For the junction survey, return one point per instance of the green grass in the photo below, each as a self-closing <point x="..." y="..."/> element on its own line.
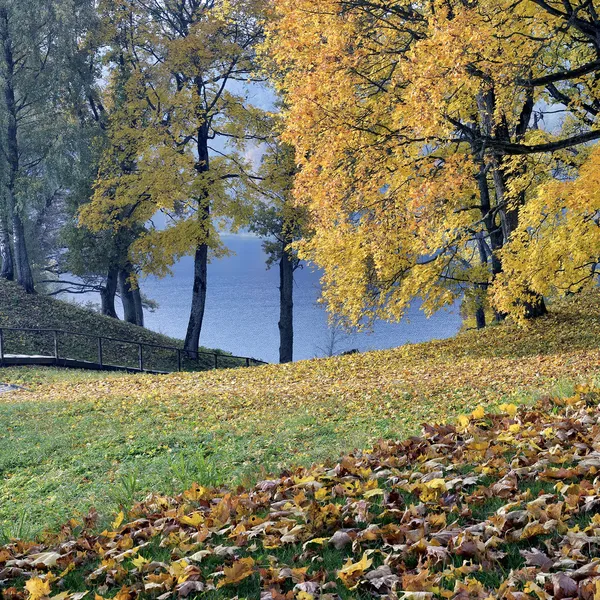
<point x="57" y="461"/>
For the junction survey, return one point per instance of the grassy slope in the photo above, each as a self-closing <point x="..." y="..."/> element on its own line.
<point x="17" y="309"/>
<point x="73" y="444"/>
<point x="20" y="310"/>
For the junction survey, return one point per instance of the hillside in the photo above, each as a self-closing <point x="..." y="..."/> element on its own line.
<point x="72" y="445"/>
<point x="20" y="310"/>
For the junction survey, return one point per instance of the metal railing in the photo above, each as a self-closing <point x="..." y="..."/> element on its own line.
<point x="73" y="349"/>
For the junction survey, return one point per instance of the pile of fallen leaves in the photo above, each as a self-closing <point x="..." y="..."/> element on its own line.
<point x="503" y="505"/>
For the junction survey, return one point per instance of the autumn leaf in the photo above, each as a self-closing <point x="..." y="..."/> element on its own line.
<point x="240" y="570"/>
<point x="37" y="588"/>
<point x="194" y="520"/>
<point x="118" y="520"/>
<point x="479" y="413"/>
<point x="351" y="573"/>
<point x="139" y="562"/>
<point x="509" y="409"/>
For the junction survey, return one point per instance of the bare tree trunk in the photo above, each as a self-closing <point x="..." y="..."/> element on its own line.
<point x="138" y="306"/>
<point x="107" y="294"/>
<point x="494" y="232"/>
<point x="536" y="308"/>
<point x="192" y="337"/>
<point x="507" y="210"/>
<point x="481" y="290"/>
<point x="8" y="267"/>
<point x="286" y="306"/>
<point x="127" y="297"/>
<point x="24" y="274"/>
<point x="21" y="258"/>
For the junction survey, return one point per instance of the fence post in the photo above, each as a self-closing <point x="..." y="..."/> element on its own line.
<point x="141" y="356"/>
<point x="247" y="362"/>
<point x="216" y="361"/>
<point x="54" y="333"/>
<point x="2" y="346"/>
<point x="100" y="351"/>
<point x="179" y="360"/>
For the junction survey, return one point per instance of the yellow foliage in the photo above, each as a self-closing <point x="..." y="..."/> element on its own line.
<point x="37" y="588"/>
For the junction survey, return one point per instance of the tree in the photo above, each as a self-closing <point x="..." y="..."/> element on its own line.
<point x="38" y="42"/>
<point x="280" y="222"/>
<point x="181" y="123"/>
<point x="407" y="118"/>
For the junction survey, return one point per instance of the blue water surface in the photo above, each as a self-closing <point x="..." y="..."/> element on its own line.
<point x="242" y="309"/>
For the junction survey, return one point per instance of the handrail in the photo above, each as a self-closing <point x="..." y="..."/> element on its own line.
<point x="100" y="339"/>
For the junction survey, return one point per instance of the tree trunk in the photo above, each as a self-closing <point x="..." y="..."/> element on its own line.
<point x="192" y="337"/>
<point x="507" y="210"/>
<point x="127" y="297"/>
<point x="286" y="306"/>
<point x="8" y="267"/>
<point x="107" y="294"/>
<point x="24" y="274"/>
<point x="536" y="308"/>
<point x="21" y="257"/>
<point x="137" y="303"/>
<point x="481" y="288"/>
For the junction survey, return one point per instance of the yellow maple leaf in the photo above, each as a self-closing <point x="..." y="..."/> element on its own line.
<point x="37" y="588"/>
<point x="351" y="572"/>
<point x="239" y="570"/>
<point x="509" y="409"/>
<point x="139" y="562"/>
<point x="373" y="492"/>
<point x="193" y="520"/>
<point x="321" y="493"/>
<point x="479" y="412"/>
<point x="118" y="520"/>
<point x="177" y="569"/>
<point x="464" y="421"/>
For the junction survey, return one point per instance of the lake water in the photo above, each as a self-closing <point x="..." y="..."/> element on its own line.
<point x="242" y="309"/>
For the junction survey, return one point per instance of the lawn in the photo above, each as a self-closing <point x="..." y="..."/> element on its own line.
<point x="73" y="443"/>
<point x="496" y="505"/>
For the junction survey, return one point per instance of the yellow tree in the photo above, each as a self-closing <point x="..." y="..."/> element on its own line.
<point x="406" y="118"/>
<point x="180" y="131"/>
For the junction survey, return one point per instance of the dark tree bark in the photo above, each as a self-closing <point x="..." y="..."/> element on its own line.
<point x="286" y="306"/>
<point x="108" y="292"/>
<point x="482" y="287"/>
<point x="21" y="257"/>
<point x="8" y="267"/>
<point x="508" y="211"/>
<point x="138" y="306"/>
<point x="127" y="296"/>
<point x="536" y="308"/>
<point x="192" y="337"/>
<point x="24" y="274"/>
